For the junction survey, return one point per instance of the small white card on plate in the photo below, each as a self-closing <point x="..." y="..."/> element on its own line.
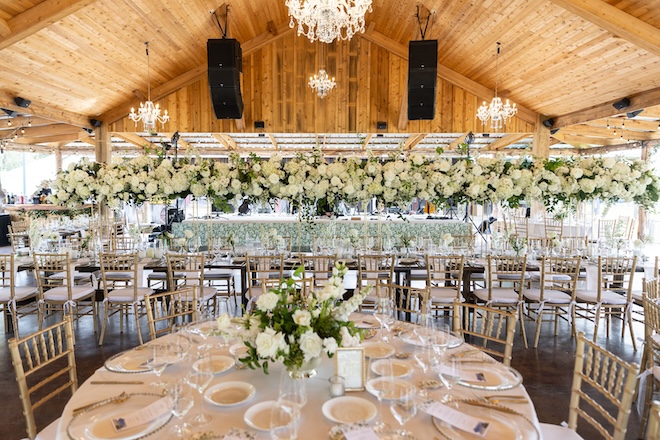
<point x="456" y="418"/>
<point x="146" y="415"/>
<point x="360" y="433"/>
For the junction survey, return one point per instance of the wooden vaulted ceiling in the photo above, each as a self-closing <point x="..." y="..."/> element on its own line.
<point x="566" y="61"/>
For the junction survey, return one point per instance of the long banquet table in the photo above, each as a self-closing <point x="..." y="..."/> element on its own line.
<point x="314" y="425"/>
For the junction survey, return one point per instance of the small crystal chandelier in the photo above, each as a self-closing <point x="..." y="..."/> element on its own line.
<point x="327" y="20"/>
<point x="149" y="112"/>
<point x="321" y="82"/>
<point x="497" y="112"/>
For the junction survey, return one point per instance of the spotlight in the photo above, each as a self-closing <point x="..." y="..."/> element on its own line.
<point x="549" y="123"/>
<point x="259" y="124"/>
<point x="88" y="130"/>
<point x="10" y="113"/>
<point x="22" y="102"/>
<point x="554" y="130"/>
<point x="95" y="122"/>
<point x="621" y="104"/>
<point x="381" y="125"/>
<point x="634" y="113"/>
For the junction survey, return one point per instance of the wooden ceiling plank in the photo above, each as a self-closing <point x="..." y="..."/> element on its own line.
<point x="616" y="21"/>
<point x="23" y="120"/>
<point x="5" y="30"/>
<point x="413" y="140"/>
<point x="39" y="17"/>
<point x="597" y="132"/>
<point x="638" y="101"/>
<point x="44" y="111"/>
<point x="48" y="130"/>
<point x="456" y="142"/>
<point x="505" y="141"/>
<point x="444" y="72"/>
<point x="50" y="139"/>
<point x="218" y="137"/>
<point x="192" y="75"/>
<point x="273" y="140"/>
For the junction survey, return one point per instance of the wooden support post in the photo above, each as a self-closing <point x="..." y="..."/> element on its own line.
<point x="58" y="160"/>
<point x="641" y="212"/>
<point x="541" y="150"/>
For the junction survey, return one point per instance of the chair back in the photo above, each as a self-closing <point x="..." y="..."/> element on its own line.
<point x="506" y="272"/>
<point x="20" y="241"/>
<point x="653" y="430"/>
<point x="374" y="269"/>
<point x="616" y="274"/>
<point x="521" y="226"/>
<point x="462" y="243"/>
<point x="52" y="271"/>
<point x="123" y="242"/>
<point x="318" y="266"/>
<point x="575" y="245"/>
<point x="606" y="228"/>
<point x="651" y="288"/>
<point x="18" y="226"/>
<point x="603" y="390"/>
<point x="264" y="272"/>
<point x="164" y="310"/>
<point x="7" y="273"/>
<point x="444" y="275"/>
<point x="559" y="273"/>
<point x="490" y="329"/>
<point x="119" y="270"/>
<point x="45" y="365"/>
<point x="185" y="269"/>
<point x="408" y="301"/>
<point x="554" y="228"/>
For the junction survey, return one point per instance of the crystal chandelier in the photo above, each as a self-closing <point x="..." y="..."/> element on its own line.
<point x="149" y="112"/>
<point x="497" y="112"/>
<point x="327" y="20"/>
<point x="321" y="82"/>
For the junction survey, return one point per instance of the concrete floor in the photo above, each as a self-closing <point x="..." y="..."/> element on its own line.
<point x="547" y="371"/>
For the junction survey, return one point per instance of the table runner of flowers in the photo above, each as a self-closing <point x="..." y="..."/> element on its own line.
<point x="308" y="179"/>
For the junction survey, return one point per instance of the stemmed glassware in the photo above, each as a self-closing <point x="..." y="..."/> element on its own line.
<point x="181" y="400"/>
<point x="284" y="420"/>
<point x="404" y="407"/>
<point x="450" y="374"/>
<point x="199" y="377"/>
<point x="380" y="384"/>
<point x="292" y="390"/>
<point x="157" y="363"/>
<point x="384" y="314"/>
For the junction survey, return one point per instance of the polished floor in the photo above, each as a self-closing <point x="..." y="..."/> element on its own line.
<point x="547" y="371"/>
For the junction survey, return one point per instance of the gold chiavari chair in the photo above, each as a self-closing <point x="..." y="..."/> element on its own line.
<point x="444" y="278"/>
<point x="122" y="291"/>
<point x="45" y="365"/>
<point x="653" y="430"/>
<point x="554" y="228"/>
<point x="374" y="269"/>
<point x="612" y="297"/>
<point x="264" y="272"/>
<point x="167" y="309"/>
<point x="606" y="228"/>
<point x="319" y="267"/>
<point x="408" y="301"/>
<point x="598" y="376"/>
<point x="187" y="270"/>
<point x="490" y="329"/>
<point x="521" y="226"/>
<point x="13" y="297"/>
<point x="650" y="358"/>
<point x="555" y="294"/>
<point x="58" y="289"/>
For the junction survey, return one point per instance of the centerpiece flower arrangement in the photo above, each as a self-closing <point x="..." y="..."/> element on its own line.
<point x="295" y="329"/>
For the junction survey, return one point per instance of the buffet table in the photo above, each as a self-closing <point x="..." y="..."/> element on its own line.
<point x="514" y="415"/>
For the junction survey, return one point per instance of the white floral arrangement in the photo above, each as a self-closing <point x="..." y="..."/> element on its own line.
<point x="293" y="329"/>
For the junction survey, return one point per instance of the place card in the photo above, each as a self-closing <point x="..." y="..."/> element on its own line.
<point x="146" y="415"/>
<point x="456" y="418"/>
<point x="359" y="433"/>
<point x="472" y="376"/>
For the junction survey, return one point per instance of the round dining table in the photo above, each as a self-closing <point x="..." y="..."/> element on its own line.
<point x="105" y="384"/>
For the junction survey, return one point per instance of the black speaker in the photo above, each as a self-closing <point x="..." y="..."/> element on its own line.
<point x="621" y="104"/>
<point x="22" y="102"/>
<point x="95" y="122"/>
<point x="422" y="78"/>
<point x="224" y="67"/>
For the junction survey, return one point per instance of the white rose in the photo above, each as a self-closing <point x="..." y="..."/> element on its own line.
<point x="268" y="343"/>
<point x="348" y="340"/>
<point x="311" y="345"/>
<point x="330" y="345"/>
<point x="224" y="322"/>
<point x="302" y="318"/>
<point x="267" y="301"/>
<point x="273" y="178"/>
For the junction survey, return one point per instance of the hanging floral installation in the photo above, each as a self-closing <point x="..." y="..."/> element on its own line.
<point x="308" y="178"/>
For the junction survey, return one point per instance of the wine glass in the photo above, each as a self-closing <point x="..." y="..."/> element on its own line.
<point x="199" y="377"/>
<point x="440" y="338"/>
<point x="450" y="373"/>
<point x="384" y="314"/>
<point x="157" y="363"/>
<point x="403" y="407"/>
<point x="425" y="358"/>
<point x="292" y="390"/>
<point x="284" y="420"/>
<point x="179" y="343"/>
<point x="380" y="384"/>
<point x="180" y="400"/>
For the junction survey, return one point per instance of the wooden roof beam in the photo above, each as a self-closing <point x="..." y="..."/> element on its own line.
<point x="193" y="75"/>
<point x="45" y="111"/>
<point x="616" y="21"/>
<point x="600" y="133"/>
<point x="444" y="72"/>
<point x="37" y="18"/>
<point x="50" y="139"/>
<point x="135" y="139"/>
<point x="413" y="140"/>
<point x="638" y="101"/>
<point x="23" y="120"/>
<point x="273" y="140"/>
<point x="456" y="142"/>
<point x="505" y="141"/>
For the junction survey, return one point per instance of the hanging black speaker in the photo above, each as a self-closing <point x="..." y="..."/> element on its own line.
<point x="225" y="63"/>
<point x="422" y="78"/>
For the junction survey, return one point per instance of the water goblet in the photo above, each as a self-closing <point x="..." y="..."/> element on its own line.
<point x="284" y="420"/>
<point x="425" y="358"/>
<point x="404" y="407"/>
<point x="292" y="390"/>
<point x="158" y="363"/>
<point x="450" y="374"/>
<point x="380" y="384"/>
<point x="180" y="400"/>
<point x="384" y="314"/>
<point x="199" y="377"/>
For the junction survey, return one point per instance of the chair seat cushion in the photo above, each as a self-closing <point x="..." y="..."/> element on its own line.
<point x="20" y="293"/>
<point x="60" y="294"/>
<point x="126" y="294"/>
<point x="512" y="276"/>
<point x="536" y="276"/>
<point x="551" y="296"/>
<point x="637" y="296"/>
<point x="607" y="297"/>
<point x="498" y="295"/>
<point x="218" y="274"/>
<point x="557" y="432"/>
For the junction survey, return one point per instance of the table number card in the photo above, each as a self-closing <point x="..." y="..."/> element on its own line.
<point x="456" y="418"/>
<point x="349" y="364"/>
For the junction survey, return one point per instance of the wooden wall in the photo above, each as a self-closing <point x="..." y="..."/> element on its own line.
<point x="370" y="86"/>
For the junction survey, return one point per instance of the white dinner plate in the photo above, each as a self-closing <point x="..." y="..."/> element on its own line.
<point x="219" y="364"/>
<point x="258" y="415"/>
<point x="486" y="375"/>
<point x="229" y="393"/>
<point x="382" y="383"/>
<point x="96" y="422"/>
<point x="409" y="337"/>
<point x="349" y="409"/>
<point x="407" y="261"/>
<point x="399" y="368"/>
<point x="504" y="423"/>
<point x="337" y="432"/>
<point x="131" y="361"/>
<point x="364" y="321"/>
<point x="377" y="350"/>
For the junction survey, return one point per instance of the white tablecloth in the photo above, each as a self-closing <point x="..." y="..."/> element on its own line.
<point x="314" y="424"/>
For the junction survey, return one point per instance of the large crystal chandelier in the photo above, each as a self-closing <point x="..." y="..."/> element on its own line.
<point x="497" y="112"/>
<point x="327" y="20"/>
<point x="321" y="82"/>
<point x="149" y="112"/>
